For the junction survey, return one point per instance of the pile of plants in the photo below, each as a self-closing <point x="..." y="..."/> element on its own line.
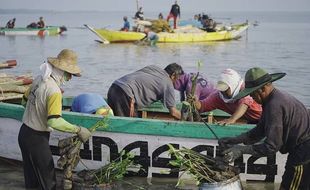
<point x="110" y="173"/>
<point x="203" y="168"/>
<point x="69" y="150"/>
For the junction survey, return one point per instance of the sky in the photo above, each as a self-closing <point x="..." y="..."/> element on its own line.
<point x="159" y="5"/>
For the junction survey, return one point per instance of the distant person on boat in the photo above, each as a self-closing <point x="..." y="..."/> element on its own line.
<point x="229" y="85"/>
<point x="175" y="12"/>
<point x="160" y="16"/>
<point x="194" y="22"/>
<point x="203" y="87"/>
<point x="150" y="37"/>
<point x="126" y="26"/>
<point x="160" y="25"/>
<point x="41" y="23"/>
<point x="139" y="14"/>
<point x="91" y="103"/>
<point x="208" y="24"/>
<point x="32" y="25"/>
<point x="42" y="115"/>
<point x="284" y="126"/>
<point x="11" y="23"/>
<point x="143" y="87"/>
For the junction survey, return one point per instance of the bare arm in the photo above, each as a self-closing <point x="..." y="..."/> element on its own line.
<point x="235" y="116"/>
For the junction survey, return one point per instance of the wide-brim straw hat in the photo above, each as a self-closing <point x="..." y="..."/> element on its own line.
<point x="66" y="61"/>
<point x="256" y="78"/>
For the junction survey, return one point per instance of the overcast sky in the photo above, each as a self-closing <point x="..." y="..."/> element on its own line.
<point x="159" y="5"/>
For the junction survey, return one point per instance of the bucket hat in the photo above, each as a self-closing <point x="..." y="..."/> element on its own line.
<point x="229" y="78"/>
<point x="255" y="78"/>
<point x="66" y="61"/>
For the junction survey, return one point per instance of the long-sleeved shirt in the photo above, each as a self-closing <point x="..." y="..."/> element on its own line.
<point x="203" y="87"/>
<point x="175" y="10"/>
<point x="285" y="124"/>
<point x="213" y="101"/>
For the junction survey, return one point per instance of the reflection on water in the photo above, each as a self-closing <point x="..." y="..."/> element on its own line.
<point x="11" y="177"/>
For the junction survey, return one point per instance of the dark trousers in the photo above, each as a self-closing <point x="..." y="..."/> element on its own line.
<point x="297" y="168"/>
<point x="39" y="171"/>
<point x="120" y="102"/>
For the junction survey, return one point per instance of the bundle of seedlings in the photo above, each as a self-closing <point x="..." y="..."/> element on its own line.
<point x="69" y="150"/>
<point x="203" y="168"/>
<point x="108" y="174"/>
<point x="189" y="111"/>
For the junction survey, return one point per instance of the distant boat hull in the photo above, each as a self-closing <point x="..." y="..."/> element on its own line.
<point x="114" y="36"/>
<point x="48" y="31"/>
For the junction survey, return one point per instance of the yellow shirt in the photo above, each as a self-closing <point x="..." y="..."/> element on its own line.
<point x="44" y="101"/>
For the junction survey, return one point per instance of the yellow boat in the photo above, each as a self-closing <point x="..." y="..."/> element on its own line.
<point x="226" y="33"/>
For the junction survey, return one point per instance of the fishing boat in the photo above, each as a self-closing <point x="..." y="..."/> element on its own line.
<point x="146" y="138"/>
<point x="47" y="31"/>
<point x="226" y="33"/>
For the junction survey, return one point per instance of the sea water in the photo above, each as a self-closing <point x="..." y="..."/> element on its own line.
<point x="280" y="43"/>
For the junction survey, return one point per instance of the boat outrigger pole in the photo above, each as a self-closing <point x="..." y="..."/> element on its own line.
<point x="104" y="41"/>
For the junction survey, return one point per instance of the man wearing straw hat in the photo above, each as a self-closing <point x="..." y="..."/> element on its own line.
<point x="284" y="126"/>
<point x="42" y="115"/>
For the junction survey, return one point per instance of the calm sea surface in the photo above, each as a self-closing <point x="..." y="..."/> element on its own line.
<point x="280" y="43"/>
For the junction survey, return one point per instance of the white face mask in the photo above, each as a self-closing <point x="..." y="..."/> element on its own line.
<point x="58" y="76"/>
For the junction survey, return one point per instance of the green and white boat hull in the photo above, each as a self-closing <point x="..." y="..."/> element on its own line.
<point x="146" y="138"/>
<point x="47" y="31"/>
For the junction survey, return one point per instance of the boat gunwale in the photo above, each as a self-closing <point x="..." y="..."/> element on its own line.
<point x="140" y="126"/>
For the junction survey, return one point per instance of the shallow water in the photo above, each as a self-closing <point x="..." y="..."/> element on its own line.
<point x="11" y="178"/>
<point x="279" y="44"/>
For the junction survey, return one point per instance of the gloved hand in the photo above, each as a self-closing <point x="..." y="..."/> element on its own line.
<point x="83" y="134"/>
<point x="226" y="141"/>
<point x="236" y="151"/>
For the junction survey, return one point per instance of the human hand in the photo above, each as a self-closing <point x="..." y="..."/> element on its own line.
<point x="226" y="142"/>
<point x="236" y="151"/>
<point x="225" y="122"/>
<point x="84" y="134"/>
<point x="232" y="153"/>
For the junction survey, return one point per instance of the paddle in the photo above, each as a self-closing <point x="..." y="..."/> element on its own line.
<point x="8" y="64"/>
<point x="105" y="41"/>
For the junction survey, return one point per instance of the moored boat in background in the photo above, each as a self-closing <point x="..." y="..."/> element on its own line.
<point x="47" y="31"/>
<point x="180" y="35"/>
